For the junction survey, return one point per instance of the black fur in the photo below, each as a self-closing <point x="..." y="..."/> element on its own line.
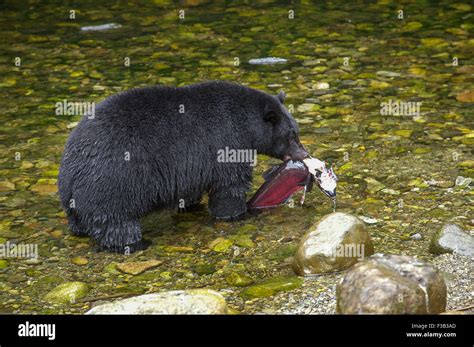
<point x="173" y="155"/>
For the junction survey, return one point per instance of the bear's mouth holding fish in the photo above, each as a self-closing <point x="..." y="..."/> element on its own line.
<point x="284" y="180"/>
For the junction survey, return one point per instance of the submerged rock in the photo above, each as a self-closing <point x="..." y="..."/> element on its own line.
<point x="67" y="293"/>
<point x="101" y="27"/>
<point x="272" y="286"/>
<point x="220" y="245"/>
<point x="192" y="301"/>
<point x="267" y="61"/>
<point x="391" y="284"/>
<point x="451" y="238"/>
<point x="3" y="264"/>
<point x="137" y="267"/>
<point x="6" y="186"/>
<point x="239" y="280"/>
<point x="335" y="243"/>
<point x="466" y="96"/>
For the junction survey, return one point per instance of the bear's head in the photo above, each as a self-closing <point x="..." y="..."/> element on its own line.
<point x="280" y="131"/>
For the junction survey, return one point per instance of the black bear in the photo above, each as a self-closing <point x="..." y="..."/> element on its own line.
<point x="161" y="147"/>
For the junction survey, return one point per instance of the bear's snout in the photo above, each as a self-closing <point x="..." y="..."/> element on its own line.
<point x="296" y="152"/>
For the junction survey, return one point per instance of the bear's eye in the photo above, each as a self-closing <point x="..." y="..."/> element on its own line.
<point x="270" y="116"/>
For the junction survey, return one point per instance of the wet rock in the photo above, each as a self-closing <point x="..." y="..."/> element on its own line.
<point x="369" y="220"/>
<point x="304" y="108"/>
<point x="467" y="96"/>
<point x="373" y="186"/>
<point x="412" y="26"/>
<point x="272" y="286"/>
<point x="33" y="261"/>
<point x="388" y="73"/>
<point x="220" y="245"/>
<point x="137" y="267"/>
<point x="101" y="27"/>
<point x="204" y="269"/>
<point x="440" y="183"/>
<point x="79" y="261"/>
<point x="239" y="280"/>
<point x="178" y="249"/>
<point x="3" y="264"/>
<point x="67" y="293"/>
<point x="243" y="241"/>
<point x="283" y="252"/>
<point x="333" y="244"/>
<point x="321" y="85"/>
<point x="391" y="284"/>
<point x="267" y="61"/>
<point x="44" y="189"/>
<point x="72" y="125"/>
<point x="379" y="84"/>
<point x="6" y="186"/>
<point x="463" y="181"/>
<point x="193" y="301"/>
<point x="451" y="238"/>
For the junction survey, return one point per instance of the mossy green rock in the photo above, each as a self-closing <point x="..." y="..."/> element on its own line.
<point x="272" y="286"/>
<point x="220" y="245"/>
<point x="3" y="264"/>
<point x="204" y="269"/>
<point x="67" y="293"/>
<point x="243" y="241"/>
<point x="239" y="280"/>
<point x="283" y="252"/>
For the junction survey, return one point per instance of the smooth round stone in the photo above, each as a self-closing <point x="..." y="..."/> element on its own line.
<point x="67" y="293"/>
<point x="192" y="301"/>
<point x="391" y="284"/>
<point x="333" y="244"/>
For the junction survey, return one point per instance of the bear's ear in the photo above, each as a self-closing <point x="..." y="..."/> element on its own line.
<point x="281" y="96"/>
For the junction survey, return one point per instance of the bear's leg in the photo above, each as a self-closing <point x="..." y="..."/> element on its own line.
<point x="75" y="225"/>
<point x="123" y="237"/>
<point x="228" y="204"/>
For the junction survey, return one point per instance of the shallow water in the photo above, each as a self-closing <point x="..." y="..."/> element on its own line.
<point x="398" y="170"/>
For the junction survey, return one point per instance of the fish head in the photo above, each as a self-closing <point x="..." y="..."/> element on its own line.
<point x="327" y="182"/>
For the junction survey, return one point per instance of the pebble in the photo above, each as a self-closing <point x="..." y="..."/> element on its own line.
<point x="135" y="268"/>
<point x="267" y="61"/>
<point x="101" y="27"/>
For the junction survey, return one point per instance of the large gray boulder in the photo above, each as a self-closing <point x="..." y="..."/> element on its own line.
<point x="333" y="244"/>
<point x="192" y="301"/>
<point x="451" y="238"/>
<point x="391" y="284"/>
